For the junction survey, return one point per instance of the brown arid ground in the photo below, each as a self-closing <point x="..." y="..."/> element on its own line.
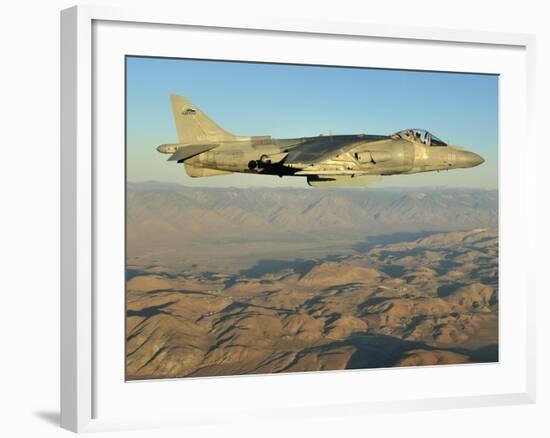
<point x="428" y="301"/>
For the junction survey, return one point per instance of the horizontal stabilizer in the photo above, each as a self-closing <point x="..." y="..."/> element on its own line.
<point x="185" y="152"/>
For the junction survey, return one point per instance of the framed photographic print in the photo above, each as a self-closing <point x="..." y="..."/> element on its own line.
<point x="334" y="217"/>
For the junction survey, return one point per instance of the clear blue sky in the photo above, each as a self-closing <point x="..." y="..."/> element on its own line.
<point x="292" y="101"/>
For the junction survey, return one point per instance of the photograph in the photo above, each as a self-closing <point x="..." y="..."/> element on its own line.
<point x="302" y="218"/>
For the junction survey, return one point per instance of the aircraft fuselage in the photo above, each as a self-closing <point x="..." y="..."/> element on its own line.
<point x="385" y="156"/>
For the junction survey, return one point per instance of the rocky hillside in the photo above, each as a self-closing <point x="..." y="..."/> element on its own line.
<point x="432" y="300"/>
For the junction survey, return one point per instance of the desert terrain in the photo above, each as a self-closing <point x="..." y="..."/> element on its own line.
<point x="240" y="281"/>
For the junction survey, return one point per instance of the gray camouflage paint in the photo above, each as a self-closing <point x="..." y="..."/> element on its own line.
<point x="331" y="161"/>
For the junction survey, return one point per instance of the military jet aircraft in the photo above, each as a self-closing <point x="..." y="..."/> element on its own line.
<point x="205" y="149"/>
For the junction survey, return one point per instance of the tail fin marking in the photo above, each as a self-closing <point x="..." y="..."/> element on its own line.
<point x="195" y="127"/>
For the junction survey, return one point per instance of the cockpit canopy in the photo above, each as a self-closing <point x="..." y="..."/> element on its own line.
<point x="420" y="136"/>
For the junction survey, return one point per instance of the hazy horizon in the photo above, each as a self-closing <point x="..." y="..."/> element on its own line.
<point x="306" y="187"/>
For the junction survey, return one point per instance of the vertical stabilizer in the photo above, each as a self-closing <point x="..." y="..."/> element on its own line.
<point x="194" y="126"/>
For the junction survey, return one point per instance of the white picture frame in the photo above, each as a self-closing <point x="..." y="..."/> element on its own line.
<point x="82" y="378"/>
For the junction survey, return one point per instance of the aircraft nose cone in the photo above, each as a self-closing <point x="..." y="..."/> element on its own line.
<point x="469" y="159"/>
<point x="477" y="160"/>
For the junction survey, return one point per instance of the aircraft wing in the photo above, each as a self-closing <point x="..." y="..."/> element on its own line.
<point x="322" y="148"/>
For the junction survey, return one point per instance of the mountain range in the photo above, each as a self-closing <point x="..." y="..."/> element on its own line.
<point x="184" y="221"/>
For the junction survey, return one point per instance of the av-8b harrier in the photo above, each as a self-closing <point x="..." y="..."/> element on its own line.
<point x="205" y="149"/>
